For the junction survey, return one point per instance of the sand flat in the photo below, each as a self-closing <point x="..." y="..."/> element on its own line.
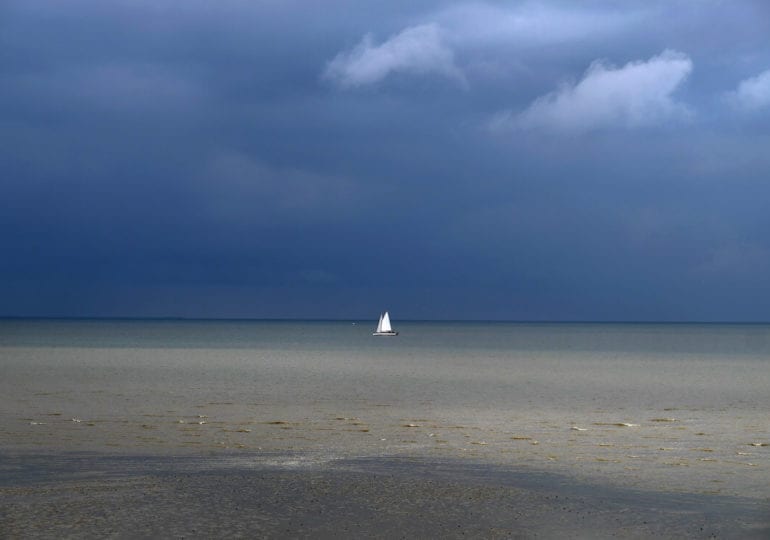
<point x="282" y="496"/>
<point x="299" y="402"/>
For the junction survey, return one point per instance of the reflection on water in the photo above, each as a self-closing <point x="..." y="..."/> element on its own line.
<point x="676" y="407"/>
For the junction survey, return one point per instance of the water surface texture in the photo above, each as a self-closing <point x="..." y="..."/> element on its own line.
<point x="678" y="408"/>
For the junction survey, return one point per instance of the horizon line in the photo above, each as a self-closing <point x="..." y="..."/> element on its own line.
<point x="357" y="319"/>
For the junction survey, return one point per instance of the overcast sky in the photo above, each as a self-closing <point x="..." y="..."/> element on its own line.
<point x="533" y="160"/>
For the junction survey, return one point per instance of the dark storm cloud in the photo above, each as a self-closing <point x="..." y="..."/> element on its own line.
<point x="522" y="160"/>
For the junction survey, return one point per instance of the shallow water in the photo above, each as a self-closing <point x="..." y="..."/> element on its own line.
<point x="663" y="407"/>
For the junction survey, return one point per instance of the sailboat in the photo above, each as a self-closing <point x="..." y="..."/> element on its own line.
<point x="383" y="327"/>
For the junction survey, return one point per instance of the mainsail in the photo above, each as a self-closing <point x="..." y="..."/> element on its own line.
<point x="384" y="325"/>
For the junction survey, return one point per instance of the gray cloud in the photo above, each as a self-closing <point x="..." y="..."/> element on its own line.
<point x="199" y="153"/>
<point x="235" y="188"/>
<point x="531" y="23"/>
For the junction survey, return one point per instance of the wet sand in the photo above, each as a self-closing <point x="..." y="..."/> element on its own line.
<point x="148" y="429"/>
<point x="296" y="496"/>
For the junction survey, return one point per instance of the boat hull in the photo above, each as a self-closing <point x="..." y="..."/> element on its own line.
<point x="384" y="333"/>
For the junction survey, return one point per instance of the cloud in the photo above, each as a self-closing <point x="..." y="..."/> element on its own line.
<point x="752" y="94"/>
<point x="236" y="188"/>
<point x="112" y="86"/>
<point x="417" y="50"/>
<point x="531" y="23"/>
<point x="736" y="259"/>
<point x="635" y="95"/>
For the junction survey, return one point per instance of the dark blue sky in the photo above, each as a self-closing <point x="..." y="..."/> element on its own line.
<point x="480" y="160"/>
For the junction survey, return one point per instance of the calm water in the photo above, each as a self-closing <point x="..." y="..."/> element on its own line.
<point x="668" y="407"/>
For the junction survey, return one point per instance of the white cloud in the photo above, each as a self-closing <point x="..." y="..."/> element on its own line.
<point x="752" y="94"/>
<point x="635" y="95"/>
<point x="429" y="48"/>
<point x="417" y="49"/>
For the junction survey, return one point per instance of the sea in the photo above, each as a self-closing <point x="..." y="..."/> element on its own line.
<point x="680" y="408"/>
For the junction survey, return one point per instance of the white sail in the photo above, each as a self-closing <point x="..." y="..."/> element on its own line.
<point x="384" y="325"/>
